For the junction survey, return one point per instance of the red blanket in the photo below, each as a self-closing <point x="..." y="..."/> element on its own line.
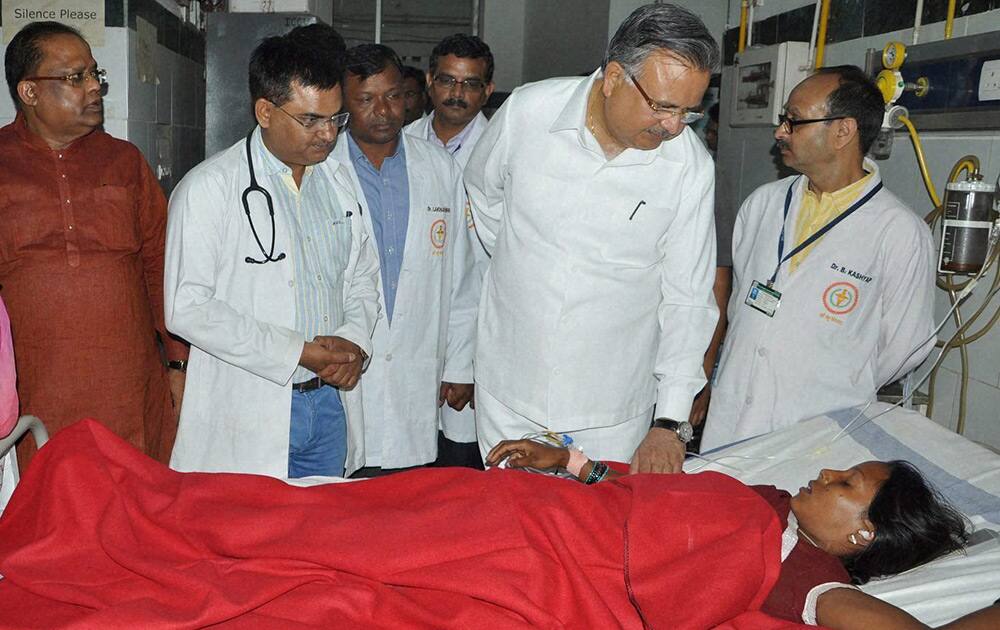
<point x="98" y="535"/>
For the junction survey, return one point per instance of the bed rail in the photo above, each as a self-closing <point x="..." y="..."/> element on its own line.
<point x="25" y="424"/>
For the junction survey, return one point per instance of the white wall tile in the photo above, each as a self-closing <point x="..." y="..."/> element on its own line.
<point x="113" y="57"/>
<point x="945" y="389"/>
<point x="116" y="127"/>
<point x="983" y="418"/>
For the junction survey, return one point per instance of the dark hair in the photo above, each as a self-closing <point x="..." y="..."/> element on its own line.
<point x="322" y="36"/>
<point x="409" y="72"/>
<point x="913" y="525"/>
<point x="279" y="60"/>
<point x="24" y="52"/>
<point x="713" y="112"/>
<point x="366" y="60"/>
<point x="465" y="47"/>
<point x="668" y="27"/>
<point x="857" y="97"/>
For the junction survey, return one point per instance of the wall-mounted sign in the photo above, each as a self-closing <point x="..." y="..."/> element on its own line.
<point x="85" y="15"/>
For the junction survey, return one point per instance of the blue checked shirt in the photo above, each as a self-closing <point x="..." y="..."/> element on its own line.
<point x="387" y="192"/>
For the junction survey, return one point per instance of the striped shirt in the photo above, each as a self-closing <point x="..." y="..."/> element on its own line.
<point x="320" y="243"/>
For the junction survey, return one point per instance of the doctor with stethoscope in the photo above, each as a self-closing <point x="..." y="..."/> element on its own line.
<point x="270" y="276"/>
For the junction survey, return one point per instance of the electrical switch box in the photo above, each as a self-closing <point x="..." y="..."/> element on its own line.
<point x="763" y="79"/>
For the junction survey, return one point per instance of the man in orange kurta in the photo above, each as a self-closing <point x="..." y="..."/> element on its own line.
<point x="82" y="224"/>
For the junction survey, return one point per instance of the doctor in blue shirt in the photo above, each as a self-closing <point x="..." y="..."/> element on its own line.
<point x="413" y="207"/>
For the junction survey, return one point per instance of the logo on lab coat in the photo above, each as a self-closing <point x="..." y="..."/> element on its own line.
<point x="439" y="233"/>
<point x="468" y="216"/>
<point x="840" y="298"/>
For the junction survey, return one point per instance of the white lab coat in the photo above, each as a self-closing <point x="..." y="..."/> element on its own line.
<point x="432" y="337"/>
<point x="815" y="356"/>
<point x="459" y="426"/>
<point x="240" y="320"/>
<point x="598" y="300"/>
<point x="421" y="128"/>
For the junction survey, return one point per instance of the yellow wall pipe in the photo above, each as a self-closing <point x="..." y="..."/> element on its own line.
<point x="949" y="23"/>
<point x="824" y="16"/>
<point x="921" y="161"/>
<point x="744" y="7"/>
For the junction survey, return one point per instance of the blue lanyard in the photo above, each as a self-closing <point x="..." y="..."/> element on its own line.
<point x="816" y="235"/>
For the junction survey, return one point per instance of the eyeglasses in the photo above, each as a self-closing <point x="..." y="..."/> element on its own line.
<point x="686" y="116"/>
<point x="77" y="79"/>
<point x="447" y="82"/>
<point x="789" y="124"/>
<point x="315" y="123"/>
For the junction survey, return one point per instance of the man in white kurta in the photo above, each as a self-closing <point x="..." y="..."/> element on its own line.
<point x="596" y="203"/>
<point x="459" y="83"/>
<point x="278" y="309"/>
<point x="856" y="305"/>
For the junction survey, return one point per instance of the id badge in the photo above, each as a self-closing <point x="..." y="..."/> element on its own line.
<point x="763" y="298"/>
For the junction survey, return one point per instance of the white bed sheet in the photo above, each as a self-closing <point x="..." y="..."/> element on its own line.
<point x="966" y="473"/>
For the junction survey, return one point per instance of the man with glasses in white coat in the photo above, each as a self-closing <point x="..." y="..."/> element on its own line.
<point x="833" y="276"/>
<point x="459" y="83"/>
<point x="271" y="277"/>
<point x="596" y="203"/>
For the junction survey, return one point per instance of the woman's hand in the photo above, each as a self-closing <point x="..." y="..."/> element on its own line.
<point x="528" y="454"/>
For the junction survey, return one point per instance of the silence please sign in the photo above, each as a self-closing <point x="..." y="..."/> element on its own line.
<point x="85" y="15"/>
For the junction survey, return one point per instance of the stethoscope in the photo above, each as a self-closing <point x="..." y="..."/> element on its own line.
<point x="254" y="187"/>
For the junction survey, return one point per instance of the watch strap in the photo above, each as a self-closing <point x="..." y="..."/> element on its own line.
<point x="682" y="429"/>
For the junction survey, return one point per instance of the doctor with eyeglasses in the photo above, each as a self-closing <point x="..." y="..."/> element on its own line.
<point x="271" y="277"/>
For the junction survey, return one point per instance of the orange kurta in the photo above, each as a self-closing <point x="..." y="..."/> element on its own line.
<point x="81" y="269"/>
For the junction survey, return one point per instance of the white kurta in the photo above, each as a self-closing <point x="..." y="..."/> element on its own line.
<point x="240" y="319"/>
<point x="598" y="300"/>
<point x="432" y="336"/>
<point x="850" y="315"/>
<point x="459" y="426"/>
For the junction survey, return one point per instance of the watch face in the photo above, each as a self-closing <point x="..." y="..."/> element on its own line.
<point x="685" y="431"/>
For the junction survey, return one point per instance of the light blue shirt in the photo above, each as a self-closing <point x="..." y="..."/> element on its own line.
<point x="319" y="247"/>
<point x="456" y="141"/>
<point x="387" y="191"/>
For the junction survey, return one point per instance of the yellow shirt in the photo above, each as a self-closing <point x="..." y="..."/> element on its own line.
<point x="818" y="210"/>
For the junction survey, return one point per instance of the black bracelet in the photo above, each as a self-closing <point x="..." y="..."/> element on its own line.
<point x="180" y="366"/>
<point x="597" y="473"/>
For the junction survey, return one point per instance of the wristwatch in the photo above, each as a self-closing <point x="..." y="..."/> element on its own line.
<point x="684" y="430"/>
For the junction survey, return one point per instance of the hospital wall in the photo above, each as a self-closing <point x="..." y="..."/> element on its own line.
<point x="160" y="111"/>
<point x="564" y="37"/>
<point x="503" y="30"/>
<point x="746" y="153"/>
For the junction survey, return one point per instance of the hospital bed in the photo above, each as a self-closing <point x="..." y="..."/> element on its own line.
<point x="8" y="461"/>
<point x="966" y="473"/>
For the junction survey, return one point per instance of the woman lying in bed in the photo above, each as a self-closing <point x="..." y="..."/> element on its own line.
<point x="846" y="527"/>
<point x="98" y="535"/>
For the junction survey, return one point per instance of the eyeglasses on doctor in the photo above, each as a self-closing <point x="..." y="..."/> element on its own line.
<point x="789" y="124"/>
<point x="686" y="116"/>
<point x="447" y="82"/>
<point x="77" y="79"/>
<point x="315" y="123"/>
